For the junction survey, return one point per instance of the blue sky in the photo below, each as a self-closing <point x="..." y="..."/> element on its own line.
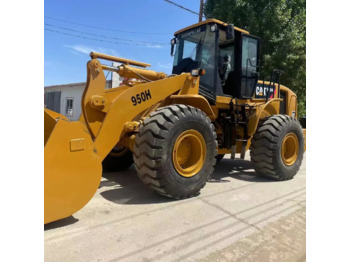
<point x="145" y="28"/>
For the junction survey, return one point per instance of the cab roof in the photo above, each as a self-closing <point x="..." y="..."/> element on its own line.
<point x="207" y="22"/>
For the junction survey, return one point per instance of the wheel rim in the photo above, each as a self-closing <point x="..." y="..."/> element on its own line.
<point x="290" y="149"/>
<point x="189" y="153"/>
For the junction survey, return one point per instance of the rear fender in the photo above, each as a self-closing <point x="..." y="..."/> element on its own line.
<point x="268" y="109"/>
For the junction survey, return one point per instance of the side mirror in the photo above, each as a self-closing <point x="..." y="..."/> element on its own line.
<point x="230" y="32"/>
<point x="173" y="42"/>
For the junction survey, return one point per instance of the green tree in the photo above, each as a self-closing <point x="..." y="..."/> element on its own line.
<point x="281" y="24"/>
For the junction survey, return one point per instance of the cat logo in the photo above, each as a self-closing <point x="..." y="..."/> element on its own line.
<point x="262" y="92"/>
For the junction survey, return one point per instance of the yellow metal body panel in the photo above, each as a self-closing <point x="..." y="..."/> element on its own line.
<point x="50" y="118"/>
<point x="268" y="109"/>
<point x="207" y="22"/>
<point x="95" y="84"/>
<point x="107" y="111"/>
<point x="196" y="101"/>
<point x="72" y="168"/>
<point x="122" y="110"/>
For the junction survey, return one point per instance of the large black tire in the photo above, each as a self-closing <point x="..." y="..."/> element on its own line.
<point x="153" y="150"/>
<point x="266" y="147"/>
<point x="120" y="158"/>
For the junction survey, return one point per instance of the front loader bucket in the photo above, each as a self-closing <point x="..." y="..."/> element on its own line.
<point x="72" y="169"/>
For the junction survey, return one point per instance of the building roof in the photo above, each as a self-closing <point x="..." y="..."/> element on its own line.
<point x="70" y="85"/>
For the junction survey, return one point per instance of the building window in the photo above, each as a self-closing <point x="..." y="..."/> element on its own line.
<point x="53" y="101"/>
<point x="69" y="106"/>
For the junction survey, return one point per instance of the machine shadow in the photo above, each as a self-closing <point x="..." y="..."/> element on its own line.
<point x="61" y="223"/>
<point x="127" y="189"/>
<point x="238" y="169"/>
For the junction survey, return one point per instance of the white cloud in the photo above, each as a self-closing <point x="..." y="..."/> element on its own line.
<point x="88" y="49"/>
<point x="153" y="46"/>
<point x="166" y="66"/>
<point x="80" y="48"/>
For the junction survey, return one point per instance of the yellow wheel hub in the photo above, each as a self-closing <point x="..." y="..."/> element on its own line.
<point x="290" y="149"/>
<point x="189" y="153"/>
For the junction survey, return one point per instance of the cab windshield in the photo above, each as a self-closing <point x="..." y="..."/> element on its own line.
<point x="196" y="49"/>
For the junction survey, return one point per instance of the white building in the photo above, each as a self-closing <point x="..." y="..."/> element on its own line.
<point x="66" y="99"/>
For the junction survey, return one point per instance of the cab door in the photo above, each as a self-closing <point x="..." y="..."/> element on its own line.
<point x="250" y="52"/>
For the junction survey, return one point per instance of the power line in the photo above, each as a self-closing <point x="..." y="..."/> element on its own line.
<point x="95" y="39"/>
<point x="104" y="28"/>
<point x="103" y="36"/>
<point x="189" y="10"/>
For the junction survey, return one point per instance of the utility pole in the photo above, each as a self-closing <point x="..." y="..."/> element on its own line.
<point x="200" y="10"/>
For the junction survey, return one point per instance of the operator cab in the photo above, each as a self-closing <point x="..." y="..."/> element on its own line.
<point x="229" y="56"/>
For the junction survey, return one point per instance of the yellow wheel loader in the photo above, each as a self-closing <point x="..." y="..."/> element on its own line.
<point x="174" y="127"/>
